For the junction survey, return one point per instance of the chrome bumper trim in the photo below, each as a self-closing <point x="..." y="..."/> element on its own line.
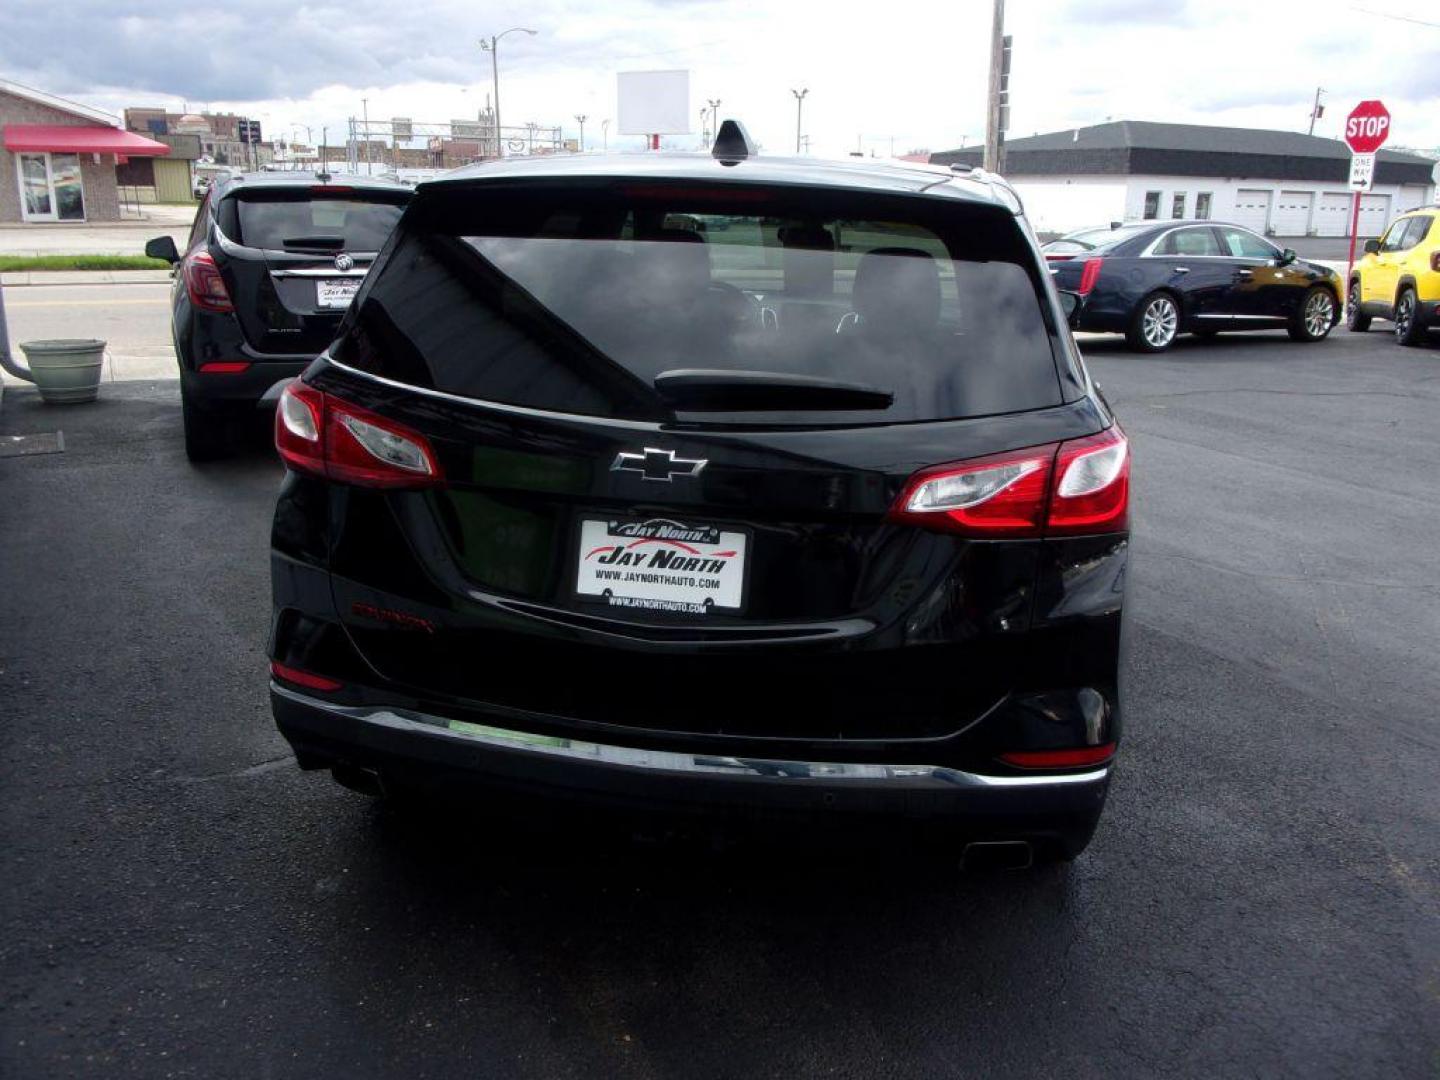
<point x="911" y="776"/>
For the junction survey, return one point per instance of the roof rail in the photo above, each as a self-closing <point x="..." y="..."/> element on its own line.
<point x="997" y="183"/>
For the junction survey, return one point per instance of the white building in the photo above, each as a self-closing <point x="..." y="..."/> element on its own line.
<point x="1281" y="183"/>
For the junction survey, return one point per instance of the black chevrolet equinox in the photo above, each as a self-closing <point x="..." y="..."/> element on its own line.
<point x="710" y="485"/>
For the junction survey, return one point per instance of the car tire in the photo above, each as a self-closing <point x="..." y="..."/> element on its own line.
<point x="1155" y="323"/>
<point x="1313" y="316"/>
<point x="1356" y="321"/>
<point x="207" y="435"/>
<point x="1408" y="328"/>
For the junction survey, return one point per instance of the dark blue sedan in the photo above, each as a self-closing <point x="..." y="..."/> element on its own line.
<point x="1153" y="281"/>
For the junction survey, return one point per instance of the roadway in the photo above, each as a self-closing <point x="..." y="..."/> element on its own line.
<point x="1262" y="898"/>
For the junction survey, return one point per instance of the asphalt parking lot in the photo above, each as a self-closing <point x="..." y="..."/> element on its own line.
<point x="1262" y="898"/>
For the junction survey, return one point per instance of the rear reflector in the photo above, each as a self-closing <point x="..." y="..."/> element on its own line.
<point x="304" y="678"/>
<point x="1088" y="273"/>
<point x="1059" y="489"/>
<point x="225" y="367"/>
<point x="323" y="434"/>
<point x="1060" y="759"/>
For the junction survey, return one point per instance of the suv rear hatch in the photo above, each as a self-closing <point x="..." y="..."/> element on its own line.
<point x="294" y="256"/>
<point x="669" y="424"/>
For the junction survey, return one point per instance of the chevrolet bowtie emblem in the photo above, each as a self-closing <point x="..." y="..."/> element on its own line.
<point x="660" y="465"/>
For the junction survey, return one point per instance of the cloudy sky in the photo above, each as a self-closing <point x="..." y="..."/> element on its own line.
<point x="908" y="73"/>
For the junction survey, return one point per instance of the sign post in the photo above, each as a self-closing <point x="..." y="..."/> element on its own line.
<point x="1366" y="129"/>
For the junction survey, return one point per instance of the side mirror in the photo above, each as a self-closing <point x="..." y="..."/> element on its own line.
<point x="1288" y="256"/>
<point x="1372" y="246"/>
<point x="1070" y="304"/>
<point x="162" y="247"/>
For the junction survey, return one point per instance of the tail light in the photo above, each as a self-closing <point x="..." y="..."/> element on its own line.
<point x="224" y="367"/>
<point x="204" y="283"/>
<point x="1079" y="487"/>
<point x="1435" y="261"/>
<point x="325" y="435"/>
<point x="301" y="677"/>
<point x="1088" y="273"/>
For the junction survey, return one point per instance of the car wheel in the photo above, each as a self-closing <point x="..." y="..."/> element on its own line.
<point x="1408" y="330"/>
<point x="207" y="435"/>
<point x="1356" y="321"/>
<point x="1314" y="316"/>
<point x="1154" y="324"/>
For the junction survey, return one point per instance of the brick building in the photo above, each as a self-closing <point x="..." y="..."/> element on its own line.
<point x="58" y="158"/>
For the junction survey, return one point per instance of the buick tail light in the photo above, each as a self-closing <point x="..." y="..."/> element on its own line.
<point x="204" y="283"/>
<point x="327" y="436"/>
<point x="1088" y="273"/>
<point x="1078" y="487"/>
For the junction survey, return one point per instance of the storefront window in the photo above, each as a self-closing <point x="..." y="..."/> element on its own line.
<point x="51" y="187"/>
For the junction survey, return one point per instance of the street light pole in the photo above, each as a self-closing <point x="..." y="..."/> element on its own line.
<point x="714" y="104"/>
<point x="799" y="105"/>
<point x="365" y="106"/>
<point x="492" y="47"/>
<point x="581" y="118"/>
<point x="605" y="136"/>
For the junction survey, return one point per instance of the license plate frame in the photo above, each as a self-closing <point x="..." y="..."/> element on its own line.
<point x="662" y="549"/>
<point x="336" y="294"/>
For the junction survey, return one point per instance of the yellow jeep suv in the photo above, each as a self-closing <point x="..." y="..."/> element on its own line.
<point x="1399" y="278"/>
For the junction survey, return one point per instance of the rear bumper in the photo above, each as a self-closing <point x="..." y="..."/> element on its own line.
<point x="1045" y="807"/>
<point x="259" y="384"/>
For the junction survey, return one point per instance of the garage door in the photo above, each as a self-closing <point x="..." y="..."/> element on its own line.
<point x="1332" y="216"/>
<point x="1374" y="215"/>
<point x="1292" y="213"/>
<point x="1252" y="209"/>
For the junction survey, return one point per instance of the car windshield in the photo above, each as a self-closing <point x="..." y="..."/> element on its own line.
<point x="298" y="222"/>
<point x="581" y="304"/>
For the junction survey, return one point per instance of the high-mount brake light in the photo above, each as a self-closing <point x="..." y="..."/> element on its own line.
<point x="1079" y="487"/>
<point x="204" y="284"/>
<point x="328" y="436"/>
<point x="331" y="189"/>
<point x="1088" y="273"/>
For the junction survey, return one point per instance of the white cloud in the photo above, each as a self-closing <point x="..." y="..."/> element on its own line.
<point x="912" y="72"/>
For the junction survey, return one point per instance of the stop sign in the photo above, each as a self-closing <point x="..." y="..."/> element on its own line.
<point x="1367" y="127"/>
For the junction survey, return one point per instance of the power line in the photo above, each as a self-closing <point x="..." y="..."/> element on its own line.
<point x="1397" y="18"/>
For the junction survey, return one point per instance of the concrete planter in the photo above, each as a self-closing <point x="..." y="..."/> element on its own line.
<point x="65" y="370"/>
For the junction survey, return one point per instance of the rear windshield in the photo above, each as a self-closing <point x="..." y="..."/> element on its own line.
<point x="1105" y="239"/>
<point x="299" y="221"/>
<point x="576" y="301"/>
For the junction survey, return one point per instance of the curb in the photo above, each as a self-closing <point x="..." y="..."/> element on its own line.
<point x="85" y="277"/>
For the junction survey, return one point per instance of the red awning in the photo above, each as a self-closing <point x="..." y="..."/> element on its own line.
<point x="80" y="139"/>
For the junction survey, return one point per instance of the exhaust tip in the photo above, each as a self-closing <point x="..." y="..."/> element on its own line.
<point x="365" y="781"/>
<point x="998" y="855"/>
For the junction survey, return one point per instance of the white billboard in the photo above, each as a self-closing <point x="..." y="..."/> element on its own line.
<point x="654" y="102"/>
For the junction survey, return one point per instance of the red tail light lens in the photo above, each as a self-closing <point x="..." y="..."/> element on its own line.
<point x="1088" y="273"/>
<point x="204" y="283"/>
<point x="1001" y="495"/>
<point x="304" y="678"/>
<point x="1092" y="486"/>
<point x="1060" y="759"/>
<point x="224" y="367"/>
<point x="1435" y="261"/>
<point x="325" y="435"/>
<point x="1080" y="487"/>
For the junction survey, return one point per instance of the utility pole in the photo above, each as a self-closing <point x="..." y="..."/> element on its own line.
<point x="365" y="106"/>
<point x="1317" y="110"/>
<point x="997" y="117"/>
<point x="799" y="105"/>
<point x="580" y="119"/>
<point x="492" y="46"/>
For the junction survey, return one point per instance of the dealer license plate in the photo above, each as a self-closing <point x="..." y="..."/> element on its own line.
<point x="336" y="292"/>
<point x="662" y="564"/>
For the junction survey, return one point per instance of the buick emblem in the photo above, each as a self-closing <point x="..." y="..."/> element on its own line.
<point x="658" y="465"/>
<point x="344" y="262"/>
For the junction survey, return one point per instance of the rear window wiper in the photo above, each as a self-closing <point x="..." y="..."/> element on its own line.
<point x="314" y="243"/>
<point x="723" y="390"/>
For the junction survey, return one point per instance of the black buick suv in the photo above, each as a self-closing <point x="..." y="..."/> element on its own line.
<point x="271" y="264"/>
<point x="713" y="485"/>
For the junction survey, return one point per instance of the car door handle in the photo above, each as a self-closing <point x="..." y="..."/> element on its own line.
<point x="1180" y="269"/>
<point x="1245" y="272"/>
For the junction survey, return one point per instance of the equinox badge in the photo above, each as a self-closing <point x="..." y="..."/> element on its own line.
<point x="660" y="465"/>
